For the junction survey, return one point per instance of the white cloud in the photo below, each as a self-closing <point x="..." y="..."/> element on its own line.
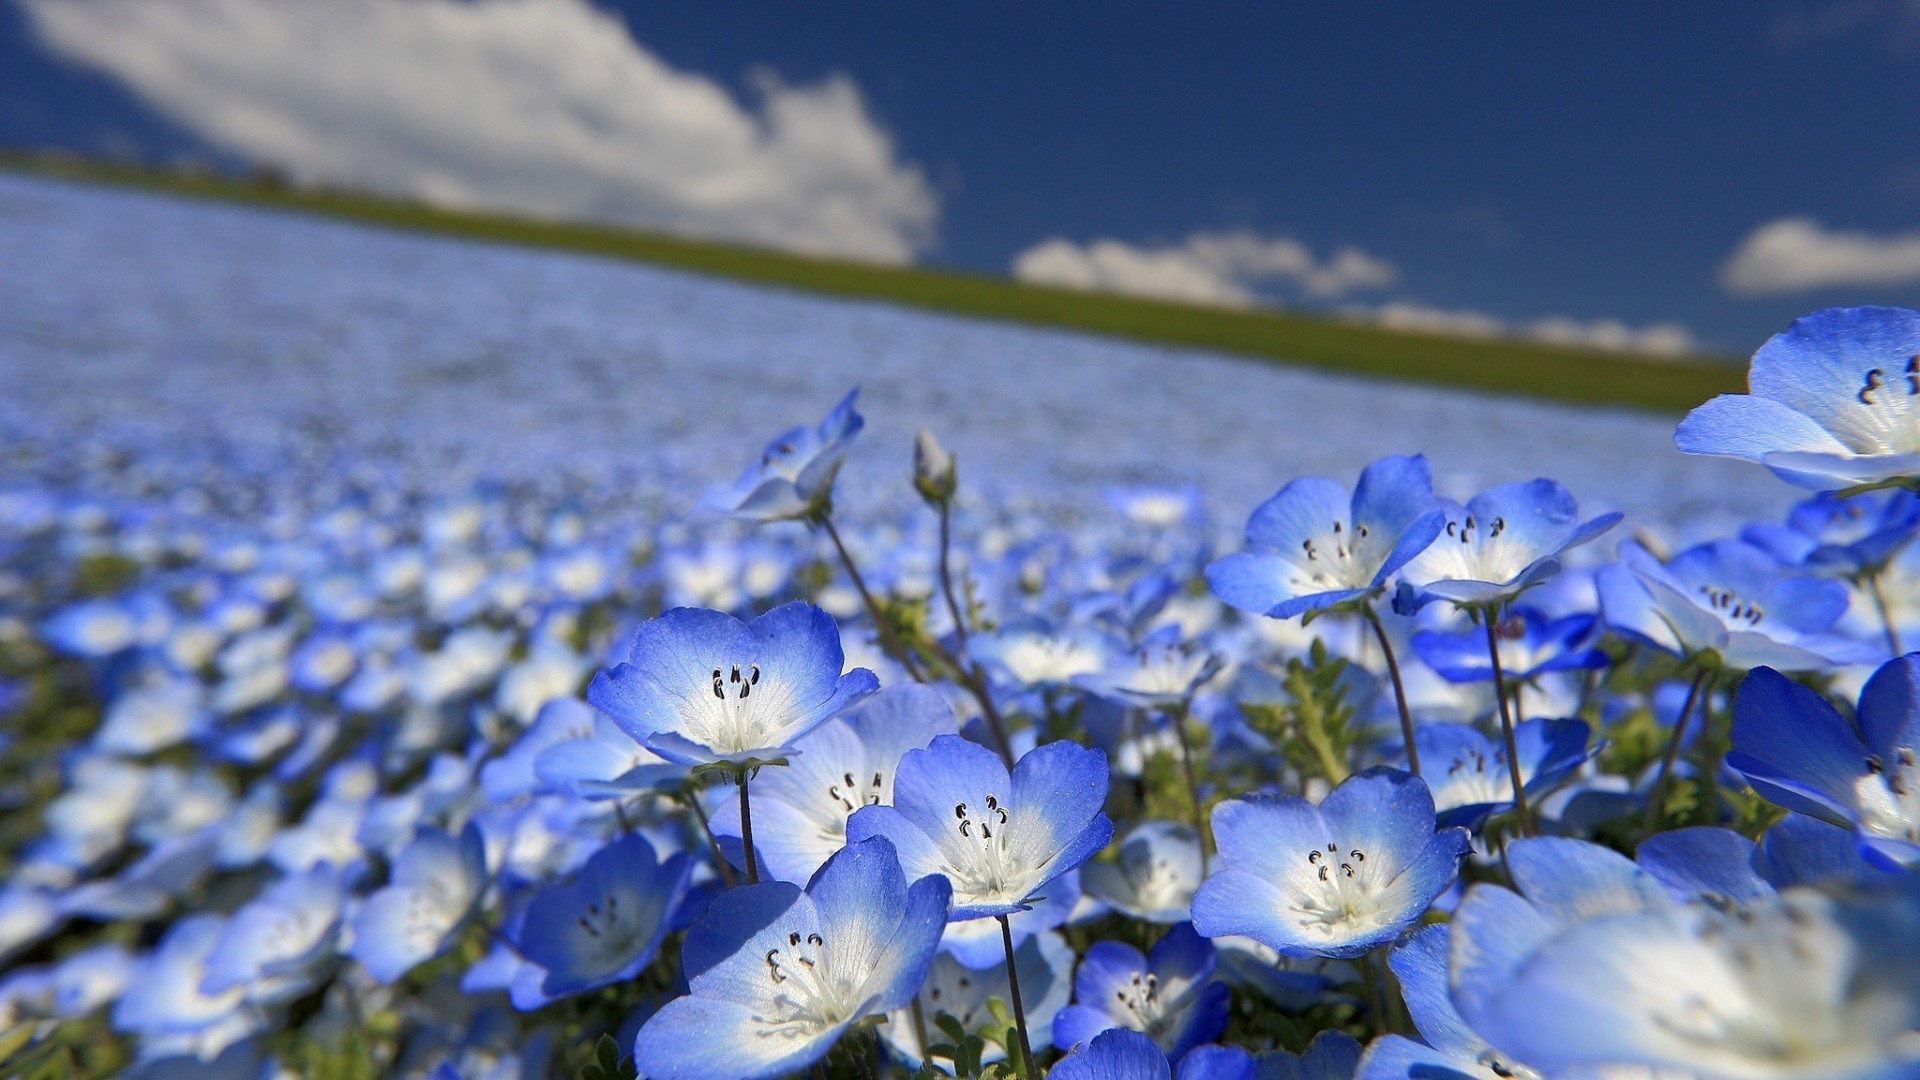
<point x="1612" y="335"/>
<point x="540" y="106"/>
<point x="1798" y="254"/>
<point x="1222" y="268"/>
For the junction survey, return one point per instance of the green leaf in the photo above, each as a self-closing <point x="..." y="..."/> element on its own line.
<point x="13" y="1039"/>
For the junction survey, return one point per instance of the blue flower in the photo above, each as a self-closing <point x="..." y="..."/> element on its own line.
<point x="1502" y="542"/>
<point x="276" y="944"/>
<point x="1313" y="546"/>
<point x="999" y="837"/>
<point x="1162" y="671"/>
<point x="1799" y="985"/>
<point x="1332" y="1055"/>
<point x="701" y="686"/>
<point x="1119" y="1054"/>
<point x="605" y="926"/>
<point x="1169" y="995"/>
<point x="1830" y="402"/>
<point x="800" y="812"/>
<point x="1730" y="603"/>
<point x="776" y="975"/>
<point x="1448" y="1049"/>
<point x="1799" y="752"/>
<point x="1841" y="536"/>
<point x="1531" y="644"/>
<point x="1724" y="867"/>
<point x="1045" y="965"/>
<point x="1155" y="876"/>
<point x="1330" y="880"/>
<point x="794" y="476"/>
<point x="1467" y="771"/>
<point x="1561" y="883"/>
<point x="437" y="882"/>
<point x="164" y="1002"/>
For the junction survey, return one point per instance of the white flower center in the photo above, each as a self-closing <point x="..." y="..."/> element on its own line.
<point x="1888" y="799"/>
<point x="985" y="866"/>
<point x="1333" y="560"/>
<point x="804" y="997"/>
<point x="1338" y="895"/>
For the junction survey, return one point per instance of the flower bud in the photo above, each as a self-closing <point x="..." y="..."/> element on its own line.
<point x="934" y="475"/>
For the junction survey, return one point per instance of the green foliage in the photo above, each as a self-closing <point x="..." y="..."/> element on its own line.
<point x="1314" y="729"/>
<point x="607" y="1063"/>
<point x="103" y="575"/>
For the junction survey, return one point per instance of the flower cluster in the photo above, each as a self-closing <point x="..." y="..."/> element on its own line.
<point x="326" y="766"/>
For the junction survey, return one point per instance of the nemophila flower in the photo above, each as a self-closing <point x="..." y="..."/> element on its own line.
<point x="604" y="763"/>
<point x="776" y="975"/>
<point x="998" y="837"/>
<point x="321" y="662"/>
<point x="1162" y="671"/>
<point x="1467" y="771"/>
<point x="147" y="887"/>
<point x="800" y="812"/>
<point x="1802" y="985"/>
<point x="1799" y="752"/>
<point x="165" y="1005"/>
<point x="1035" y="653"/>
<point x="1843" y="536"/>
<point x="794" y="476"/>
<point x="1314" y="545"/>
<point x="1531" y="644"/>
<point x="1169" y="995"/>
<point x="91" y="978"/>
<point x="701" y="686"/>
<point x="1329" y="880"/>
<point x="1155" y="876"/>
<point x="1730" y="603"/>
<point x="275" y="944"/>
<point x="153" y="716"/>
<point x="1117" y="1054"/>
<point x="1722" y="866"/>
<point x="1044" y="962"/>
<point x="436" y="884"/>
<point x="1502" y="542"/>
<point x="1447" y="1049"/>
<point x="97" y="629"/>
<point x="604" y="926"/>
<point x="1332" y="1055"/>
<point x="1830" y="402"/>
<point x="1561" y="883"/>
<point x="976" y="942"/>
<point x="1291" y="982"/>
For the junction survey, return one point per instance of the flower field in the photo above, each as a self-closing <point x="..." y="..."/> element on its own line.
<point x="420" y="658"/>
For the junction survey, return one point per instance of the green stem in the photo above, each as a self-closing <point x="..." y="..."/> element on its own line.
<point x="1399" y="689"/>
<point x="691" y="799"/>
<point x="1886" y="614"/>
<point x="888" y="640"/>
<point x="746" y="829"/>
<point x="1523" y="817"/>
<point x="1656" y="801"/>
<point x="1019" y="1010"/>
<point x="1178" y="714"/>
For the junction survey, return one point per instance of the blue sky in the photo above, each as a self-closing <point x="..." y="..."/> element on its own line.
<point x="1705" y="170"/>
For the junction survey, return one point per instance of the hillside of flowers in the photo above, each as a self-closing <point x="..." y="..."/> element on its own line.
<point x="337" y="761"/>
